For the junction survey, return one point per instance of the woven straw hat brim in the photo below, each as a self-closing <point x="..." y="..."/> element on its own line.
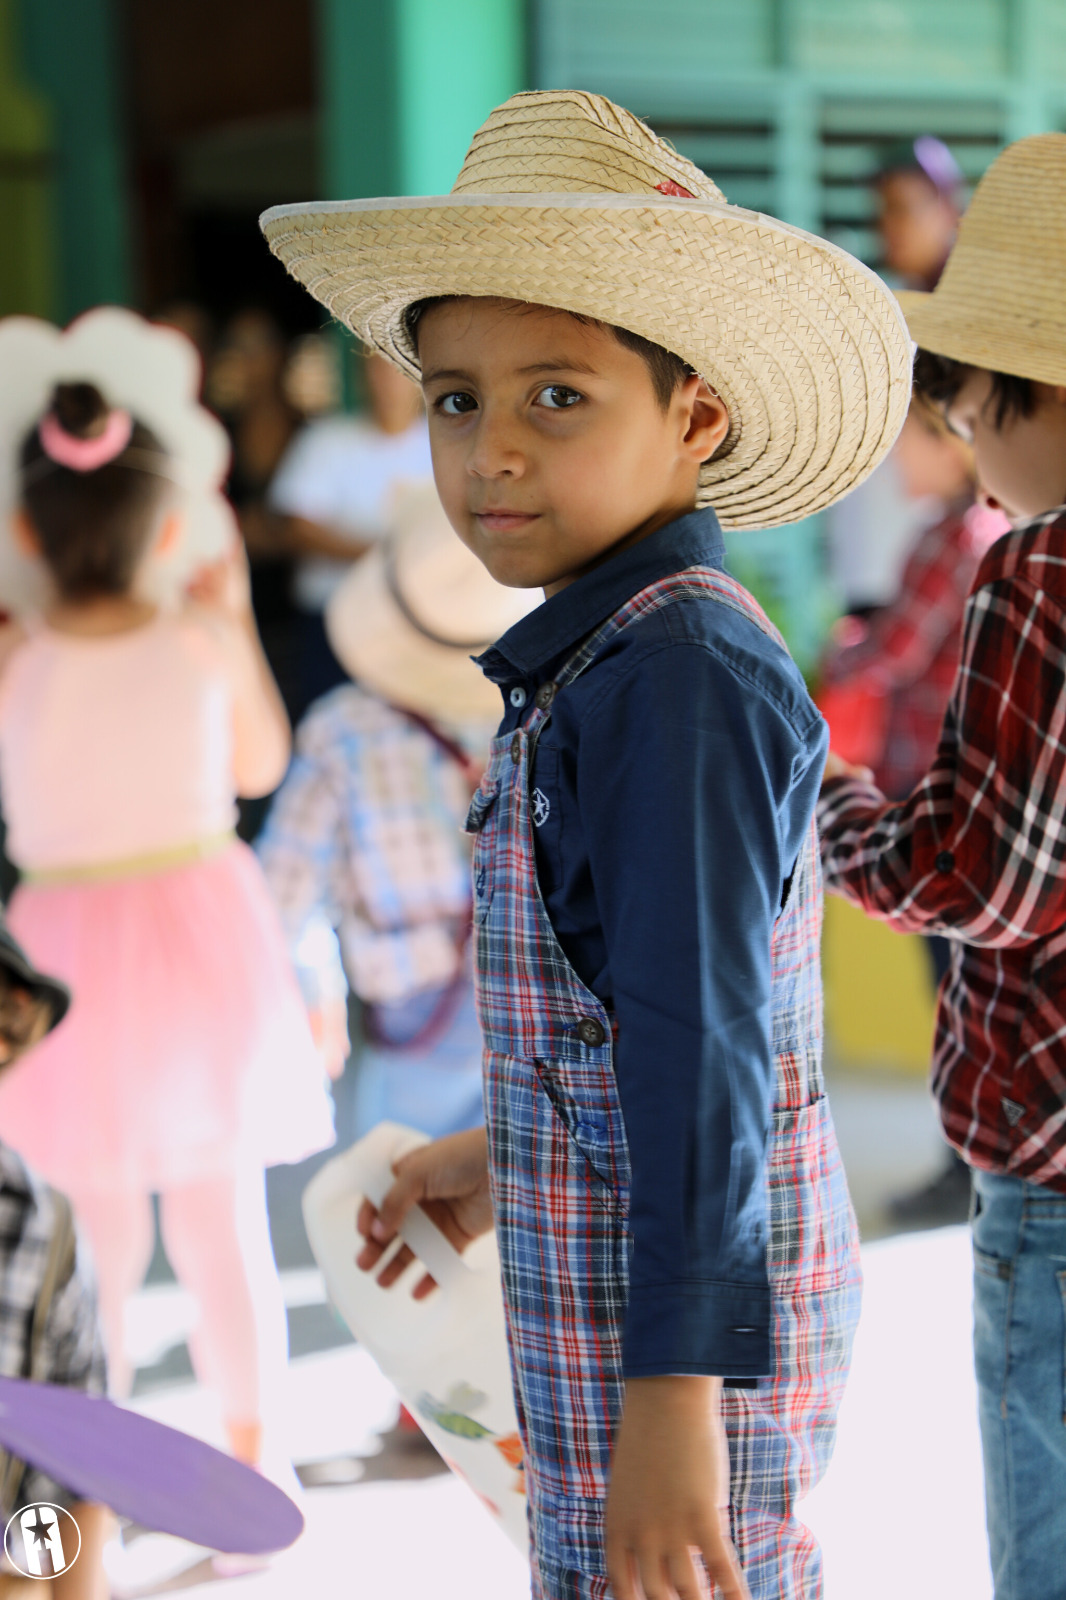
<point x="1000" y="303"/>
<point x="997" y="337"/>
<point x="805" y="345"/>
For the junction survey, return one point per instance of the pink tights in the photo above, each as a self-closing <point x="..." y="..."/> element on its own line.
<point x="217" y="1237"/>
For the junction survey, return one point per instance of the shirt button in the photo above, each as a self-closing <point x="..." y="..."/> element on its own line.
<point x="518" y="696"/>
<point x="516" y="748"/>
<point x="945" y="861"/>
<point x="591" y="1031"/>
<point x="545" y="695"/>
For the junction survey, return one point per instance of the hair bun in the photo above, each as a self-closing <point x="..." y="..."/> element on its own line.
<point x="80" y="409"/>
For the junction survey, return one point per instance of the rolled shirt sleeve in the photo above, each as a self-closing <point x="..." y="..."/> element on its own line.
<point x="695" y="787"/>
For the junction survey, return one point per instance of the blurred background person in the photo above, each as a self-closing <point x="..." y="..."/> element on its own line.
<point x="335" y="489"/>
<point x="245" y="386"/>
<point x="900" y="664"/>
<point x="364" y="850"/>
<point x="886" y="681"/>
<point x="187" y="316"/>
<point x="919" y="195"/>
<point x="186" y="1064"/>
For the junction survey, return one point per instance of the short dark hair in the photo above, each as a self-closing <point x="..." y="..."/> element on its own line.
<point x="668" y="371"/>
<point x="93" y="527"/>
<point x="941" y="377"/>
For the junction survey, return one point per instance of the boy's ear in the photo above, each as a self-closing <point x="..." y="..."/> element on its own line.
<point x="706" y="417"/>
<point x="26" y="541"/>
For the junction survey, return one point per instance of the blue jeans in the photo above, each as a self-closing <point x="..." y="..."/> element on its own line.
<point x="1019" y="1240"/>
<point x="436" y="1089"/>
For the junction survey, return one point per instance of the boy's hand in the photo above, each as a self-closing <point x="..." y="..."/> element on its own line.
<point x="449" y="1179"/>
<point x="837" y="767"/>
<point x="667" y="1504"/>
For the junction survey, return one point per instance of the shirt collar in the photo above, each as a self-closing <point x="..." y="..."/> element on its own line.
<point x="694" y="540"/>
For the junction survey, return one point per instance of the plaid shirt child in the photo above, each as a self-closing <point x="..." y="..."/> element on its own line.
<point x="71" y="1351"/>
<point x="911" y="651"/>
<point x="363" y="838"/>
<point x="978" y="852"/>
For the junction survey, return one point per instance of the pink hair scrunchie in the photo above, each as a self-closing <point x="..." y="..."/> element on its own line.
<point x="85" y="455"/>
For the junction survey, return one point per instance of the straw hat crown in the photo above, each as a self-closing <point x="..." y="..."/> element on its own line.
<point x="567" y="200"/>
<point x="571" y="142"/>
<point x="1001" y="302"/>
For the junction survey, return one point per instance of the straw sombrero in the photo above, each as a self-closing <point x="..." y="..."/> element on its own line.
<point x="566" y="200"/>
<point x="1001" y="303"/>
<point x="411" y="613"/>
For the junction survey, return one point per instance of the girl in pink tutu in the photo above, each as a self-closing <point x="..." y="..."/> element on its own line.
<point x="186" y="1064"/>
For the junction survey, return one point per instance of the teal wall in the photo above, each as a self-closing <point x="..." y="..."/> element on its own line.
<point x="788" y="102"/>
<point x="405" y="83"/>
<point x="458" y="60"/>
<point x="67" y="51"/>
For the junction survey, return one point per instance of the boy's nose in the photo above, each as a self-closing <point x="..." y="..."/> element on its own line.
<point x="494" y="452"/>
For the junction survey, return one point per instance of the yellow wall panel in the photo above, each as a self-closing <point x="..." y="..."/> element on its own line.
<point x="879" y="999"/>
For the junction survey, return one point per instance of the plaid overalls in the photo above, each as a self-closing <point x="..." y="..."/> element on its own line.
<point x="560" y="1179"/>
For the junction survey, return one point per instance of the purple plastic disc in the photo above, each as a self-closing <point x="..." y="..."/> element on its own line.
<point x="160" y="1478"/>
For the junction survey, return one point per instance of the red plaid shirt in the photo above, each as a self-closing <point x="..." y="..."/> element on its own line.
<point x="978" y="851"/>
<point x="911" y="651"/>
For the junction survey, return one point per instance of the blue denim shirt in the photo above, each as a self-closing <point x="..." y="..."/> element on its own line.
<point x="671" y="793"/>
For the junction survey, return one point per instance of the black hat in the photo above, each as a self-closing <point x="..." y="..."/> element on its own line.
<point x="13" y="959"/>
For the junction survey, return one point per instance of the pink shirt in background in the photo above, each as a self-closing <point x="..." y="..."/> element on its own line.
<point x="115" y="747"/>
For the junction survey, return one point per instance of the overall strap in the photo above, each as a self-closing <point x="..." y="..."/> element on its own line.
<point x="694" y="583"/>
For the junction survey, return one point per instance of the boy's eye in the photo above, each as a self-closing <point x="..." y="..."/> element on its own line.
<point x="557" y="397"/>
<point x="457" y="404"/>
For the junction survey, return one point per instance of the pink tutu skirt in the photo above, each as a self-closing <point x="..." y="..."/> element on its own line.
<point x="187" y="1048"/>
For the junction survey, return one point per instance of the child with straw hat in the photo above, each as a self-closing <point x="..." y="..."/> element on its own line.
<point x="977" y="851"/>
<point x="607" y="348"/>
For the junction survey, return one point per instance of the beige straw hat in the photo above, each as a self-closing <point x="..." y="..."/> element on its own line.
<point x="411" y="613"/>
<point x="1001" y="303"/>
<point x="566" y="200"/>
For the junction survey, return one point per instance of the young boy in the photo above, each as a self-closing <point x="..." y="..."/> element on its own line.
<point x="978" y="849"/>
<point x="605" y="346"/>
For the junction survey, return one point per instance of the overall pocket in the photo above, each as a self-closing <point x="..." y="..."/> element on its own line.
<point x="813" y="1238"/>
<point x="592" y="1134"/>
